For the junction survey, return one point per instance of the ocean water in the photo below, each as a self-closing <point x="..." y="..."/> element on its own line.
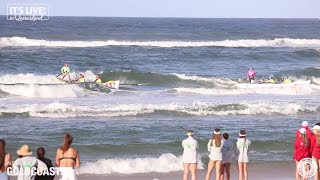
<point x="189" y="68"/>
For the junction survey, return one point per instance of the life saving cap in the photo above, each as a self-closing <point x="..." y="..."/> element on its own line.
<point x="81" y="75"/>
<point x="65" y="64"/>
<point x="98" y="76"/>
<point x="304" y="124"/>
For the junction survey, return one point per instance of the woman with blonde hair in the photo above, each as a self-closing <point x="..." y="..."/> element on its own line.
<point x="214" y="147"/>
<point x="67" y="159"/>
<point x="5" y="160"/>
<point x="315" y="149"/>
<point x="302" y="149"/>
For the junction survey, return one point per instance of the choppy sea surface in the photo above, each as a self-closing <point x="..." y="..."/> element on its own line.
<point x="189" y="69"/>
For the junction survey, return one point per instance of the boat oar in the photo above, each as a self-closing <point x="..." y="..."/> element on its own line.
<point x="59" y="75"/>
<point x="133" y="84"/>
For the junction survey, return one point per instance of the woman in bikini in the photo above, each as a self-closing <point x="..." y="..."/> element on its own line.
<point x="67" y="159"/>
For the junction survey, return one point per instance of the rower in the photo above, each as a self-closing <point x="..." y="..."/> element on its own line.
<point x="65" y="70"/>
<point x="286" y="80"/>
<point x="81" y="79"/>
<point x="251" y="74"/>
<point x="271" y="80"/>
<point x="98" y="80"/>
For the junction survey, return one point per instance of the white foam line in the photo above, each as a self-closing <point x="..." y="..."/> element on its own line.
<point x="279" y="42"/>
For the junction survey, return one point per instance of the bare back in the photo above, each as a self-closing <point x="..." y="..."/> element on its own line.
<point x="68" y="159"/>
<point x="7" y="162"/>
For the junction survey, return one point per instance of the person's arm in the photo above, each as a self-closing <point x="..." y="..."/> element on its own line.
<point x="57" y="158"/>
<point x="182" y="143"/>
<point x="8" y="161"/>
<point x="209" y="145"/>
<point x="77" y="160"/>
<point x="62" y="70"/>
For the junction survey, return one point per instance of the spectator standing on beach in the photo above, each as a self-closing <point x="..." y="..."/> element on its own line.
<point x="302" y="148"/>
<point x="27" y="165"/>
<point x="315" y="149"/>
<point x="67" y="159"/>
<point x="40" y="154"/>
<point x="242" y="151"/>
<point x="5" y="160"/>
<point x="214" y="147"/>
<point x="190" y="156"/>
<point x="227" y="154"/>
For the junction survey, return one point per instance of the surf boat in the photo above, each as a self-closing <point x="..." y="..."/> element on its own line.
<point x="276" y="85"/>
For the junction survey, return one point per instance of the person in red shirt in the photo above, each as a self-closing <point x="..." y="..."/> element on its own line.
<point x="302" y="148"/>
<point x="315" y="148"/>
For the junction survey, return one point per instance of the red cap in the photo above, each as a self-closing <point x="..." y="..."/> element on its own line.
<point x="98" y="76"/>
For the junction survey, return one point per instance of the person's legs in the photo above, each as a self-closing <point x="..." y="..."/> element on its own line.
<point x="210" y="167"/>
<point x="245" y="170"/>
<point x="193" y="171"/>
<point x="222" y="171"/>
<point x="186" y="167"/>
<point x="69" y="77"/>
<point x="240" y="168"/>
<point x="227" y="169"/>
<point x="218" y="169"/>
<point x="297" y="173"/>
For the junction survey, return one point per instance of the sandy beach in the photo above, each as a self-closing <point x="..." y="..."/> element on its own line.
<point x="275" y="171"/>
<point x="281" y="170"/>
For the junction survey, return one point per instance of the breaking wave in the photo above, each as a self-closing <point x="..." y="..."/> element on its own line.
<point x="64" y="110"/>
<point x="165" y="163"/>
<point x="278" y="42"/>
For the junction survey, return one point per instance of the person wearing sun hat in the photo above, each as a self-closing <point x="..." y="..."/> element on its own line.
<point x="302" y="148"/>
<point x="315" y="147"/>
<point x="190" y="155"/>
<point x="242" y="151"/>
<point x="215" y="157"/>
<point x="27" y="163"/>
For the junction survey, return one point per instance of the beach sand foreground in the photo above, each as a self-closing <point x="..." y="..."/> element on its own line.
<point x="281" y="170"/>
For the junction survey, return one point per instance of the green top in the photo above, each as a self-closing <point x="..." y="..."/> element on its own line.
<point x="65" y="69"/>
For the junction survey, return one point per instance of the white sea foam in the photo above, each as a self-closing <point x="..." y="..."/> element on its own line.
<point x="32" y="90"/>
<point x="163" y="164"/>
<point x="64" y="110"/>
<point x="281" y="90"/>
<point x="220" y="82"/>
<point x="278" y="42"/>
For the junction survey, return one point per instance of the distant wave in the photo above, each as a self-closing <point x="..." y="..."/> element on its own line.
<point x="278" y="42"/>
<point x="165" y="163"/>
<point x="64" y="110"/>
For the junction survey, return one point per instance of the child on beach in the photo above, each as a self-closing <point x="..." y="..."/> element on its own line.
<point x="302" y="148"/>
<point x="242" y="151"/>
<point x="227" y="153"/>
<point x="67" y="159"/>
<point x="214" y="147"/>
<point x="5" y="160"/>
<point x="190" y="156"/>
